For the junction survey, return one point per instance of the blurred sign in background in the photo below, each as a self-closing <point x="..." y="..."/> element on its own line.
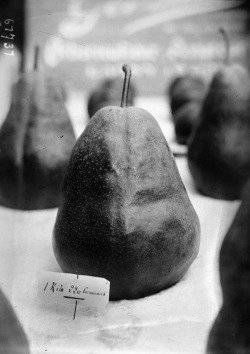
<point x="85" y="40"/>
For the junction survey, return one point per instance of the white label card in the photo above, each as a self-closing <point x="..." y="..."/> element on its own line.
<point x="65" y="287"/>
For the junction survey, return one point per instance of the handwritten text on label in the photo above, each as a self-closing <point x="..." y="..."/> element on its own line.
<point x="91" y="291"/>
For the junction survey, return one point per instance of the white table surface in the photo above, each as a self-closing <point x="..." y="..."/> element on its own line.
<point x="176" y="320"/>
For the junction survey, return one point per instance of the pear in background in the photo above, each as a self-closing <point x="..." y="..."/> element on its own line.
<point x="108" y="93"/>
<point x="184" y="89"/>
<point x="230" y="333"/>
<point x="125" y="214"/>
<point x="219" y="150"/>
<point x="186" y="94"/>
<point x="36" y="140"/>
<point x="13" y="339"/>
<point x="185" y="120"/>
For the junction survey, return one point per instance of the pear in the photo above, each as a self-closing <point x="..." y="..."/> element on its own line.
<point x="184" y="89"/>
<point x="108" y="93"/>
<point x="230" y="331"/>
<point x="125" y="214"/>
<point x="36" y="140"/>
<point x="186" y="94"/>
<point x="185" y="120"/>
<point x="219" y="150"/>
<point x="13" y="339"/>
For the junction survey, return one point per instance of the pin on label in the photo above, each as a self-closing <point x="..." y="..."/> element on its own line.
<point x="65" y="287"/>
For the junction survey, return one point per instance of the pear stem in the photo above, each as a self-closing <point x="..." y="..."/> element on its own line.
<point x="127" y="70"/>
<point x="227" y="45"/>
<point x="36" y="60"/>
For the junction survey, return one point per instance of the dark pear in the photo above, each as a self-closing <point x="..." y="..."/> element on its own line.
<point x="36" y="140"/>
<point x="13" y="339"/>
<point x="186" y="94"/>
<point x="108" y="93"/>
<point x="184" y="89"/>
<point x="230" y="332"/>
<point x="219" y="151"/>
<point x="125" y="213"/>
<point x="185" y="120"/>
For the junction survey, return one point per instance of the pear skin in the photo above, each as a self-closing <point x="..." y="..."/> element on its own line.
<point x="36" y="141"/>
<point x="219" y="150"/>
<point x="13" y="339"/>
<point x="230" y="331"/>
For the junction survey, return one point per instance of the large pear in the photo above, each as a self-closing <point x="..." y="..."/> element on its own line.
<point x="13" y="339"/>
<point x="36" y="141"/>
<point x="219" y="150"/>
<point x="125" y="214"/>
<point x="230" y="333"/>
